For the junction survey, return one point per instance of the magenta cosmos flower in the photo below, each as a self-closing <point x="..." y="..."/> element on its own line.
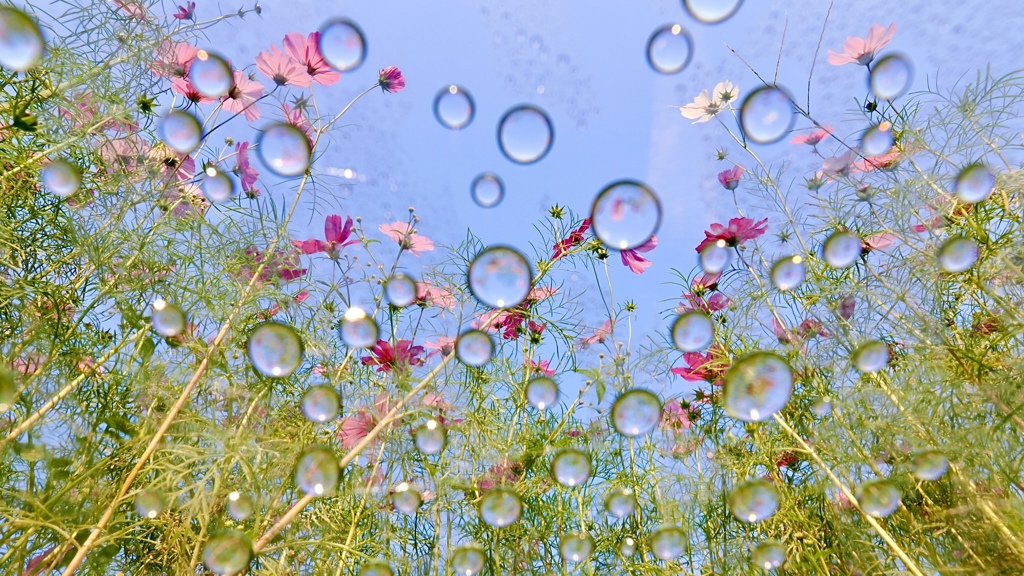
<point x="186" y="11"/>
<point x="306" y="51"/>
<point x="337" y="234"/>
<point x="398" y="357"/>
<point x="185" y="87"/>
<point x="391" y="79"/>
<point x="862" y="50"/>
<point x="575" y="239"/>
<point x="403" y="233"/>
<point x="244" y="170"/>
<point x="634" y="261"/>
<point x="282" y="68"/>
<point x="736" y="233"/>
<point x="730" y="178"/>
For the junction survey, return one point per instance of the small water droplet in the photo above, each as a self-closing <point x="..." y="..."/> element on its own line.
<point x="284" y="149"/>
<point x="958" y="254"/>
<point x="668" y="542"/>
<point x="228" y="552"/>
<point x="754" y="500"/>
<point x="636" y="412"/>
<point x="929" y="465"/>
<point x="342" y="44"/>
<point x="358" y="329"/>
<point x="468" y="561"/>
<point x="487" y="190"/>
<point x="842" y="248"/>
<point x="21" y="42"/>
<point x="180" y="131"/>
<point x="975" y="183"/>
<point x="878" y="497"/>
<point x="217" y="186"/>
<point x="317" y="471"/>
<point x="525" y="134"/>
<point x="542" y="392"/>
<point x="400" y="290"/>
<point x="620" y="502"/>
<point x="321" y="403"/>
<point x="693" y="331"/>
<point x="168" y="320"/>
<point x="210" y="75"/>
<point x="61" y="178"/>
<point x="877" y="140"/>
<point x="500" y="507"/>
<point x="768" y="555"/>
<point x="788" y="273"/>
<point x="715" y="257"/>
<point x="275" y="350"/>
<point x="890" y="77"/>
<point x="871" y="357"/>
<point x="767" y="115"/>
<point x="712" y="11"/>
<point x="757" y="386"/>
<point x="430" y="437"/>
<point x="669" y="49"/>
<point x="576" y="548"/>
<point x="454" y="107"/>
<point x="570" y="467"/>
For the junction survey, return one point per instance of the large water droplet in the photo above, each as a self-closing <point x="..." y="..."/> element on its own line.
<point x="284" y="149"/>
<point x="712" y="11"/>
<point x="890" y="77"/>
<point x="525" y="134"/>
<point x="358" y="329"/>
<point x="625" y="215"/>
<point x="400" y="290"/>
<point x="767" y="115"/>
<point x="929" y="465"/>
<point x="180" y="131"/>
<point x="871" y="357"/>
<point x="321" y="403"/>
<point x="975" y="183"/>
<point x="211" y="75"/>
<point x="769" y="555"/>
<point x="430" y="437"/>
<point x="958" y="254"/>
<point x="487" y="190"/>
<point x="877" y="140"/>
<point x="878" y="497"/>
<point x="453" y="107"/>
<point x="500" y="507"/>
<point x="406" y="499"/>
<point x="693" y="331"/>
<point x="576" y="547"/>
<point x="668" y="542"/>
<point x="636" y="412"/>
<point x="754" y="500"/>
<point x="240" y="506"/>
<point x="168" y="320"/>
<point x="275" y="350"/>
<point x="842" y="248"/>
<point x="788" y="273"/>
<point x="342" y="44"/>
<point x="500" y="277"/>
<point x="317" y="471"/>
<point x="228" y="552"/>
<point x="217" y="186"/>
<point x="21" y="42"/>
<point x="757" y="386"/>
<point x="715" y="257"/>
<point x="61" y="178"/>
<point x="620" y="502"/>
<point x="150" y="503"/>
<point x="468" y="561"/>
<point x="542" y="392"/>
<point x="474" y="348"/>
<point x="670" y="48"/>
<point x="570" y="467"/>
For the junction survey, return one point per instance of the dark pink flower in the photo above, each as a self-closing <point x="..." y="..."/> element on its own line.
<point x="184" y="87"/>
<point x="813" y="137"/>
<point x="337" y="234"/>
<point x="502" y="473"/>
<point x="391" y="79"/>
<point x="186" y="12"/>
<point x="403" y="233"/>
<point x="536" y="328"/>
<point x="282" y="68"/>
<point x="279" y="265"/>
<point x="244" y="170"/>
<point x="709" y="367"/>
<point x="846" y="307"/>
<point x="708" y="305"/>
<point x="634" y="261"/>
<point x="736" y="233"/>
<point x="575" y="239"/>
<point x="173" y="59"/>
<point x="706" y="282"/>
<point x="730" y="178"/>
<point x="862" y="50"/>
<point x="398" y="357"/>
<point x="307" y="52"/>
<point x="243" y="95"/>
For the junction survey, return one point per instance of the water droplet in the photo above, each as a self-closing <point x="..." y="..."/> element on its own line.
<point x="570" y="467"/>
<point x="620" y="502"/>
<point x="500" y="277"/>
<point x="711" y="11"/>
<point x="769" y="554"/>
<point x="975" y="183"/>
<point x="842" y="249"/>
<point x="275" y="350"/>
<point x="317" y="471"/>
<point x="358" y="330"/>
<point x="430" y="437"/>
<point x="822" y="407"/>
<point x="211" y="75"/>
<point x="958" y="254"/>
<point x="693" y="331"/>
<point x="321" y="403"/>
<point x="525" y="134"/>
<point x="636" y="412"/>
<point x="217" y="186"/>
<point x="453" y="107"/>
<point x="342" y="44"/>
<point x="627" y="546"/>
<point x="487" y="190"/>
<point x="227" y="553"/>
<point x="284" y="149"/>
<point x="877" y="140"/>
<point x="929" y="465"/>
<point x="668" y="542"/>
<point x="406" y="499"/>
<point x="871" y="357"/>
<point x="400" y="290"/>
<point x="61" y="178"/>
<point x="891" y="76"/>
<point x="468" y="560"/>
<point x="150" y="503"/>
<point x="625" y="215"/>
<point x="715" y="257"/>
<point x="21" y="43"/>
<point x="240" y="506"/>
<point x="180" y="131"/>
<point x="8" y="390"/>
<point x="754" y="500"/>
<point x="788" y="273"/>
<point x="878" y="497"/>
<point x="500" y="507"/>
<point x="757" y="386"/>
<point x="670" y="48"/>
<point x="542" y="392"/>
<point x="168" y="320"/>
<point x="474" y="348"/>
<point x="376" y="568"/>
<point x="576" y="547"/>
<point x="767" y="115"/>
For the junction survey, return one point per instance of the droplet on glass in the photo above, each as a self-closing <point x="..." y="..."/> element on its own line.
<point x="228" y="552"/>
<point x="712" y="11"/>
<point x="541" y="392"/>
<point x="500" y="277"/>
<point x="958" y="254"/>
<point x="61" y="178"/>
<point x="525" y="134"/>
<point x="576" y="548"/>
<point x="500" y="507"/>
<point x="358" y="329"/>
<point x="756" y="387"/>
<point x="210" y="74"/>
<point x="400" y="290"/>
<point x="468" y="561"/>
<point x="317" y="471"/>
<point x="669" y="49"/>
<point x="878" y="497"/>
<point x="620" y="502"/>
<point x="406" y="499"/>
<point x="284" y="149"/>
<point x="788" y="273"/>
<point x="627" y="546"/>
<point x="180" y="131"/>
<point x="321" y="403"/>
<point x="636" y="412"/>
<point x="487" y="190"/>
<point x="21" y="42"/>
<point x="150" y="503"/>
<point x="625" y="215"/>
<point x="275" y="350"/>
<point x="890" y="77"/>
<point x="822" y="407"/>
<point x="474" y="348"/>
<point x="342" y="44"/>
<point x="376" y="568"/>
<point x="877" y="140"/>
<point x="668" y="542"/>
<point x="715" y="257"/>
<point x="570" y="467"/>
<point x="842" y="248"/>
<point x="453" y="107"/>
<point x="754" y="500"/>
<point x="769" y="555"/>
<point x="929" y="465"/>
<point x="430" y="437"/>
<point x="871" y="357"/>
<point x="240" y="506"/>
<point x="168" y="320"/>
<point x="975" y="183"/>
<point x="217" y="186"/>
<point x="767" y="115"/>
<point x="693" y="331"/>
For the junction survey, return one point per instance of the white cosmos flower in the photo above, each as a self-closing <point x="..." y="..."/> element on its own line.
<point x="705" y="107"/>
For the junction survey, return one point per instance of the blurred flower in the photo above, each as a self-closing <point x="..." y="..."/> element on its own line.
<point x="391" y="79"/>
<point x="429" y="295"/>
<point x="352" y="429"/>
<point x="599" y="335"/>
<point x="730" y="178"/>
<point x="244" y="170"/>
<point x="716" y="303"/>
<point x="705" y="107"/>
<point x="813" y="137"/>
<point x="541" y="368"/>
<point x="337" y="235"/>
<point x="133" y="8"/>
<point x="243" y="95"/>
<point x="403" y="233"/>
<point x="269" y="313"/>
<point x="398" y="357"/>
<point x="501" y="473"/>
<point x="283" y="265"/>
<point x="443" y="346"/>
<point x="282" y="68"/>
<point x="879" y="241"/>
<point x="296" y="117"/>
<point x="28" y="364"/>
<point x="634" y="261"/>
<point x="676" y="417"/>
<point x="736" y="233"/>
<point x="846" y="307"/>
<point x="562" y="247"/>
<point x="836" y="167"/>
<point x="708" y="367"/>
<point x="186" y="12"/>
<point x="173" y="59"/>
<point x="875" y="162"/>
<point x="306" y="51"/>
<point x="862" y="50"/>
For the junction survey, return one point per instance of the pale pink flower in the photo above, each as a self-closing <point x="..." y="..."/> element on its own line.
<point x="862" y="50"/>
<point x="391" y="79"/>
<point x="282" y="68"/>
<point x="88" y="364"/>
<point x="730" y="178"/>
<point x="541" y="368"/>
<point x="244" y="170"/>
<point x="133" y="8"/>
<point x="127" y="154"/>
<point x="840" y="166"/>
<point x="297" y="118"/>
<point x="307" y="52"/>
<point x="243" y="95"/>
<point x="599" y="335"/>
<point x="875" y="162"/>
<point x="813" y="137"/>
<point x="429" y="295"/>
<point x="28" y="364"/>
<point x="184" y="201"/>
<point x="353" y="429"/>
<point x="675" y="417"/>
<point x="634" y="261"/>
<point x="173" y="59"/>
<point x="404" y="234"/>
<point x="443" y="346"/>
<point x="879" y="241"/>
<point x="275" y="309"/>
<point x="338" y="236"/>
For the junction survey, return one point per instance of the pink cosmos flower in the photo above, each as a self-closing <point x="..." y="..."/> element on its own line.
<point x="186" y="12"/>
<point x="576" y="238"/>
<point x="296" y="117"/>
<point x="875" y="162"/>
<point x="282" y="68"/>
<point x="403" y="233"/>
<point x="283" y="265"/>
<point x="184" y="201"/>
<point x="736" y="233"/>
<point x="429" y="295"/>
<point x="862" y="50"/>
<point x="708" y="305"/>
<point x="185" y="87"/>
<point x="306" y="51"/>
<point x="337" y="234"/>
<point x="676" y="417"/>
<point x="174" y="59"/>
<point x="541" y="368"/>
<point x="443" y="346"/>
<point x="391" y="79"/>
<point x="353" y="429"/>
<point x="127" y="154"/>
<point x="133" y="8"/>
<point x="502" y="473"/>
<point x="812" y="138"/>
<point x="879" y="241"/>
<point x="243" y="95"/>
<point x="599" y="335"/>
<point x="398" y="357"/>
<point x="706" y="282"/>
<point x="634" y="261"/>
<point x="709" y="367"/>
<point x="28" y="364"/>
<point x="244" y="170"/>
<point x="730" y="178"/>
